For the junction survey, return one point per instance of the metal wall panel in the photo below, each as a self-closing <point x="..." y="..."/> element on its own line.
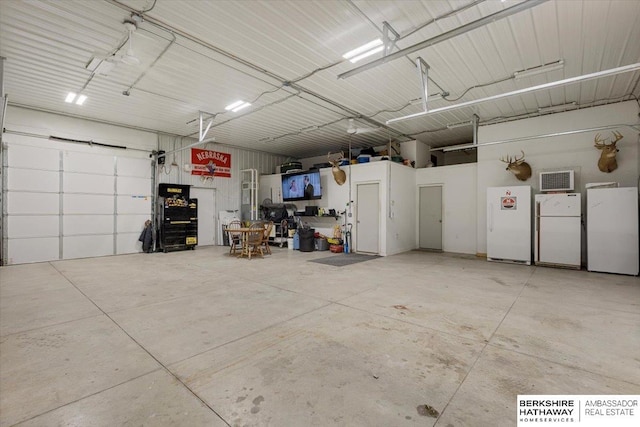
<point x="75" y="225"/>
<point x="73" y="182"/>
<point x="87" y="204"/>
<point x="87" y="246"/>
<point x="22" y="251"/>
<point x="32" y="203"/>
<point x="41" y="181"/>
<point x="30" y="226"/>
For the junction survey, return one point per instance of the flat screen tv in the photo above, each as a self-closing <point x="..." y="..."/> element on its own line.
<point x="301" y="186"/>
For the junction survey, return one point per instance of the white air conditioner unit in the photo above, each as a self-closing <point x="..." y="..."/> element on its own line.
<point x="557" y="181"/>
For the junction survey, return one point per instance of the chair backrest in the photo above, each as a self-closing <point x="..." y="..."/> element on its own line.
<point x="256" y="232"/>
<point x="234" y="224"/>
<point x="267" y="230"/>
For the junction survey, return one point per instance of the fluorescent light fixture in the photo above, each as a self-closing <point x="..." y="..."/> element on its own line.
<point x="233" y="105"/>
<point x="459" y="125"/>
<point x="362" y="49"/>
<point x="552" y="108"/>
<point x="584" y="77"/>
<point x="81" y="99"/>
<point x="559" y="65"/>
<point x="240" y="107"/>
<point x="364" y="55"/>
<point x="70" y="97"/>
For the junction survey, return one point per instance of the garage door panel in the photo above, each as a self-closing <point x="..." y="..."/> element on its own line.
<point x="33" y="203"/>
<point x="87" y="224"/>
<point x="19" y="227"/>
<point x="86" y="183"/>
<point x="134" y="186"/>
<point x="87" y="246"/>
<point x="127" y="243"/>
<point x="20" y="156"/>
<point x="88" y="163"/>
<point x="131" y="223"/>
<point x="33" y="180"/>
<point x="23" y="251"/>
<point x="141" y="168"/>
<point x="87" y="204"/>
<point x="134" y="205"/>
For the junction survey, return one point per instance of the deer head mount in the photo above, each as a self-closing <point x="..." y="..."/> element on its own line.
<point x="607" y="162"/>
<point x="338" y="174"/>
<point x="518" y="167"/>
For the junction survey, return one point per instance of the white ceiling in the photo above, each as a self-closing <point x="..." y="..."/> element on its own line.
<point x="284" y="56"/>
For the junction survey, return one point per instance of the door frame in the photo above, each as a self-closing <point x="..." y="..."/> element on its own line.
<point x="215" y="214"/>
<point x="354" y="234"/>
<point x="442" y="200"/>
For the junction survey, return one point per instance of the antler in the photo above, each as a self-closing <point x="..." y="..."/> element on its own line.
<point x="618" y="136"/>
<point x="519" y="160"/>
<point x="334" y="159"/>
<point x="508" y="160"/>
<point x="599" y="142"/>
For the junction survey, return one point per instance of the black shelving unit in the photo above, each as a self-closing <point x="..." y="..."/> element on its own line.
<point x="177" y="223"/>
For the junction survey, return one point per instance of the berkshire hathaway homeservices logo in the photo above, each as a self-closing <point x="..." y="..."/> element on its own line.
<point x="578" y="410"/>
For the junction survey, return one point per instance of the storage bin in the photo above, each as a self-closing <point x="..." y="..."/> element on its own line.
<point x="336" y="249"/>
<point x="322" y="245"/>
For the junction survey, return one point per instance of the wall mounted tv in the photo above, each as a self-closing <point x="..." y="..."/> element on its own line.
<point x="301" y="186"/>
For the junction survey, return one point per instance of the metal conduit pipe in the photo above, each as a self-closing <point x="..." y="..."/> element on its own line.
<point x="144" y="73"/>
<point x="274" y="76"/>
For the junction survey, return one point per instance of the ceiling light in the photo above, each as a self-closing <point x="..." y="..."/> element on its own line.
<point x="366" y="54"/>
<point x="240" y="107"/>
<point x="558" y="65"/>
<point x="363" y="51"/>
<point x="81" y="99"/>
<point x="233" y="105"/>
<point x="552" y="108"/>
<point x="459" y="125"/>
<point x="70" y="97"/>
<point x="570" y="80"/>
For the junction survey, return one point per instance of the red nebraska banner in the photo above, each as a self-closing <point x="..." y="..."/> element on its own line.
<point x="210" y="163"/>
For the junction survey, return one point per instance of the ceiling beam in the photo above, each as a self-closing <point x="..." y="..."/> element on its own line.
<point x="528" y="4"/>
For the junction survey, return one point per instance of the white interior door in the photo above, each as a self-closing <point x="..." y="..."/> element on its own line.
<point x="206" y="215"/>
<point x="368" y="218"/>
<point x="430" y="225"/>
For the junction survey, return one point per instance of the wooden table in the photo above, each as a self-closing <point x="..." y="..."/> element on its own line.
<point x="244" y="232"/>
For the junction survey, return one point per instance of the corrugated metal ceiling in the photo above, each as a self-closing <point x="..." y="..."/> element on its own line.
<point x="285" y="56"/>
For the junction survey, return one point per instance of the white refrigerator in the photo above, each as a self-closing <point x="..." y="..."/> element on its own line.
<point x="509" y="224"/>
<point x="557" y="230"/>
<point x="612" y="230"/>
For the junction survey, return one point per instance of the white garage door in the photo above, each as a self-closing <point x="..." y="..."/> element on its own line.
<point x="64" y="204"/>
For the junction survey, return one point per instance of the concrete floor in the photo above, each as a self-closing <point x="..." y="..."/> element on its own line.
<point x="198" y="338"/>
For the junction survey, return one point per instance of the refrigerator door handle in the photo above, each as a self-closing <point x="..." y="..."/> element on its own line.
<point x="490" y="216"/>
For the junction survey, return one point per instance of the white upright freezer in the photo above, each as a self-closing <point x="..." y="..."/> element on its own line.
<point x="509" y="224"/>
<point x="557" y="230"/>
<point x="612" y="230"/>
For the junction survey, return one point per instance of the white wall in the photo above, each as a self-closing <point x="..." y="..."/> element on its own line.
<point x="574" y="151"/>
<point x="417" y="152"/>
<point x="458" y="205"/>
<point x="401" y="210"/>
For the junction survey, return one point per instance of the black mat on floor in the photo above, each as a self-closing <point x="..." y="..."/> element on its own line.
<point x="344" y="259"/>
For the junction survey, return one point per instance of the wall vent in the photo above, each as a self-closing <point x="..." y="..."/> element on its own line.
<point x="557" y="181"/>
